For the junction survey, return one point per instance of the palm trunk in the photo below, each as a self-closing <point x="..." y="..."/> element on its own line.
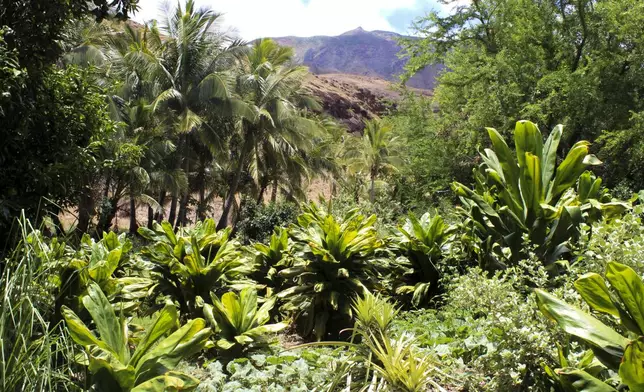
<point x="183" y="210"/>
<point x="223" y="221"/>
<point x="150" y="217"/>
<point x="133" y="225"/>
<point x="274" y="191"/>
<point x="260" y="197"/>
<point x="202" y="202"/>
<point x="159" y="215"/>
<point x="85" y="207"/>
<point x="173" y="209"/>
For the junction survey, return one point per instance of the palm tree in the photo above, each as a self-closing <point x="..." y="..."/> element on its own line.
<point x="196" y="67"/>
<point x="374" y="154"/>
<point x="274" y="123"/>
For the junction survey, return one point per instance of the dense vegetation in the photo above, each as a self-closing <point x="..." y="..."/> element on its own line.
<point x="426" y="265"/>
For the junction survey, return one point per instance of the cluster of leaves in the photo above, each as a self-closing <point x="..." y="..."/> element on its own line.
<point x="621" y="353"/>
<point x="553" y="61"/>
<point x="192" y="263"/>
<point x="489" y="333"/>
<point x="526" y="195"/>
<point x="292" y="370"/>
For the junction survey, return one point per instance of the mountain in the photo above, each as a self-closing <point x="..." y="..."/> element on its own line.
<point x="357" y="52"/>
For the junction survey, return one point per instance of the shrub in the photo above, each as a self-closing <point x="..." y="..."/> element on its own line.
<point x="151" y="366"/>
<point x="488" y="334"/>
<point x="335" y="261"/>
<point x="527" y="195"/>
<point x="238" y="322"/>
<point x="621" y="354"/>
<point x="423" y="241"/>
<point x="257" y="221"/>
<point x="194" y="262"/>
<point x="620" y="239"/>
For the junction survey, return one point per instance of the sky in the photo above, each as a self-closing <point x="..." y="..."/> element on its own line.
<point x="252" y="19"/>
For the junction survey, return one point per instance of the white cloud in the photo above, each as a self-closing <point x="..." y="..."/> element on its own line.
<point x="275" y="18"/>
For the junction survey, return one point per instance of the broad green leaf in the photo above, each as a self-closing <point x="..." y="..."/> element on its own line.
<point x="569" y="170"/>
<point x="184" y="342"/>
<point x="607" y="344"/>
<point x="632" y="368"/>
<point x="169" y="382"/>
<point x="110" y="328"/>
<point x="506" y="158"/>
<point x="630" y="289"/>
<point x="581" y="381"/>
<point x="594" y="291"/>
<point x="167" y="320"/>
<point x="169" y="232"/>
<point x="549" y="161"/>
<point x="79" y="331"/>
<point x="527" y="139"/>
<point x="122" y="373"/>
<point x="531" y="188"/>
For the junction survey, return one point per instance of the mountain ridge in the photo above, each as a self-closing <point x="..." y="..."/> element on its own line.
<point x="358" y="52"/>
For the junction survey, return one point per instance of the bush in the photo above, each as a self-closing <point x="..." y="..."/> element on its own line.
<point x="489" y="332"/>
<point x="257" y="222"/>
<point x="620" y="240"/>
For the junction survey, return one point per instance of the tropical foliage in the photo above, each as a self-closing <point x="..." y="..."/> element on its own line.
<point x="150" y="367"/>
<point x="208" y="149"/>
<point x="423" y="242"/>
<point x="621" y="354"/>
<point x="193" y="262"/>
<point x="336" y="259"/>
<point x="527" y="195"/>
<point x="238" y="320"/>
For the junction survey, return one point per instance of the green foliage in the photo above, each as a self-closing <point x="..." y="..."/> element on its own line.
<point x="528" y="195"/>
<point x="374" y="313"/>
<point x="150" y="367"/>
<point x="487" y="334"/>
<point x="238" y="320"/>
<point x="257" y="221"/>
<point x="67" y="110"/>
<point x="435" y="154"/>
<point x="548" y="60"/>
<point x="193" y="262"/>
<point x="36" y="353"/>
<point x="374" y="155"/>
<point x="335" y="260"/>
<point x="291" y="370"/>
<point x="271" y="259"/>
<point x="619" y="353"/>
<point x="423" y="242"/>
<point x="102" y="262"/>
<point x="620" y="240"/>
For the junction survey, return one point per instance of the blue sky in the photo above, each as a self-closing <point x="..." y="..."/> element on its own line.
<point x="273" y="18"/>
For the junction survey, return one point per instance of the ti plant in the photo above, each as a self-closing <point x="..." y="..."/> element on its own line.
<point x="272" y="258"/>
<point x="239" y="322"/>
<point x="115" y="367"/>
<point x="620" y="353"/>
<point x="194" y="262"/>
<point x="335" y="260"/>
<point x="423" y="242"/>
<point x="102" y="262"/>
<point x="524" y="194"/>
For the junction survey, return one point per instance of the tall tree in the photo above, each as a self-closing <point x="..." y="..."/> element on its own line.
<point x="271" y="88"/>
<point x="374" y="154"/>
<point x="196" y="65"/>
<point x="574" y="62"/>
